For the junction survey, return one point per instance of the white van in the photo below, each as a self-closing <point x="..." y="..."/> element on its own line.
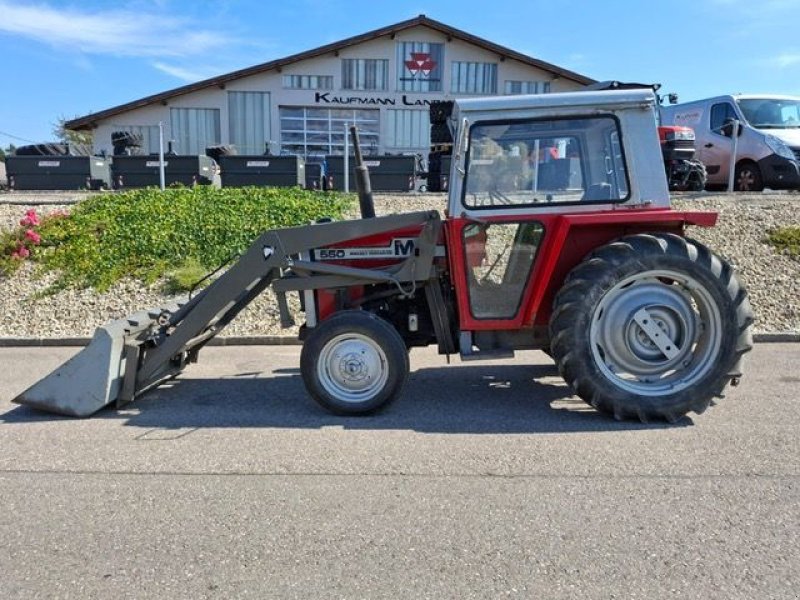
<point x="768" y="153"/>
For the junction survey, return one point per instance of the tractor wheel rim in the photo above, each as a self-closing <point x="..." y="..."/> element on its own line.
<point x="352" y="368"/>
<point x="656" y="333"/>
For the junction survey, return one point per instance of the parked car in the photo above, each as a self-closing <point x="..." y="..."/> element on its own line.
<point x="768" y="149"/>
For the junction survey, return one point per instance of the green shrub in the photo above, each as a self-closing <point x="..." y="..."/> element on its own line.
<point x="185" y="277"/>
<point x="148" y="233"/>
<point x="786" y="239"/>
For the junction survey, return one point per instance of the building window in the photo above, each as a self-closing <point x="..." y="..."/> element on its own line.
<point x="419" y="67"/>
<point x="527" y="87"/>
<point x="149" y="135"/>
<point x="315" y="132"/>
<point x="248" y="121"/>
<point x="408" y="129"/>
<point x="308" y="82"/>
<point x="194" y="129"/>
<point x="473" y="78"/>
<point x="365" y="74"/>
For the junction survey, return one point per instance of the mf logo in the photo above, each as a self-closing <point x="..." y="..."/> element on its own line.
<point x="420" y="63"/>
<point x="404" y="246"/>
<point x="397" y="248"/>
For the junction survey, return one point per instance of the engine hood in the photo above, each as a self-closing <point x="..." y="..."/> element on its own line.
<point x="791" y="137"/>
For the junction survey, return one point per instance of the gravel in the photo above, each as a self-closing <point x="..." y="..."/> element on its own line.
<point x="772" y="279"/>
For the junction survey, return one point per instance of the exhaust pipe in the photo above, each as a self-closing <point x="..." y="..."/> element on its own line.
<point x="363" y="185"/>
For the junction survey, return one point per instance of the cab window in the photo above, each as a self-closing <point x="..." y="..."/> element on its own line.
<point x="533" y="162"/>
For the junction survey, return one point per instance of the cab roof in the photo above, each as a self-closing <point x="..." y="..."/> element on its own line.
<point x="600" y="99"/>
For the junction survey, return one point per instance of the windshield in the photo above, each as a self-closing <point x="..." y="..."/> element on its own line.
<point x="544" y="161"/>
<point x="766" y="113"/>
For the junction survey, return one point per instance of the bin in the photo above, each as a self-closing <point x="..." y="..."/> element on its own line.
<point x="386" y="173"/>
<point x="58" y="172"/>
<point x="143" y="171"/>
<point x="269" y="171"/>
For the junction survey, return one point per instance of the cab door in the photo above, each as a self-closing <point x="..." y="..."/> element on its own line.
<point x="492" y="261"/>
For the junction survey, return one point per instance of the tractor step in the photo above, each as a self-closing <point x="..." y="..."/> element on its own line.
<point x="469" y="351"/>
<point x="493" y="354"/>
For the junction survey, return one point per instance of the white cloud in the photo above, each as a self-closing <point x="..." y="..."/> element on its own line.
<point x="189" y="75"/>
<point x="114" y="32"/>
<point x="787" y="59"/>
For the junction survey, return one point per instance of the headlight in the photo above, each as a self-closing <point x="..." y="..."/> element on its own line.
<point x="675" y="133"/>
<point x="683" y="133"/>
<point x="779" y="147"/>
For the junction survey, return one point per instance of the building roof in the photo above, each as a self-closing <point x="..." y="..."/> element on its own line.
<point x="90" y="120"/>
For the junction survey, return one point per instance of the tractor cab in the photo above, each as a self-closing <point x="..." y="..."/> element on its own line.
<point x="526" y="167"/>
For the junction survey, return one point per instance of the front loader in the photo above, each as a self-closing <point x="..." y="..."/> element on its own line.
<point x="558" y="236"/>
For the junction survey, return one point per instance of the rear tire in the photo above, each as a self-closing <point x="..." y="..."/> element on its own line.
<point x="354" y="363"/>
<point x="651" y="327"/>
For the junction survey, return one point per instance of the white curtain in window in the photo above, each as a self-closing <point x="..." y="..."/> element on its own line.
<point x="248" y="121"/>
<point x="194" y="129"/>
<point x="473" y="78"/>
<point x="408" y="129"/>
<point x="365" y="74"/>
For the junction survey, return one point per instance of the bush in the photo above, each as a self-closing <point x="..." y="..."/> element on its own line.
<point x="786" y="239"/>
<point x="148" y="233"/>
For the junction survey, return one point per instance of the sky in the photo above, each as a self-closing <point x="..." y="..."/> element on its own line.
<point x="63" y="59"/>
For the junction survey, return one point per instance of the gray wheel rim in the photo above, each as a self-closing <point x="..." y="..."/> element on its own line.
<point x="656" y="333"/>
<point x="352" y="368"/>
<point x="746" y="180"/>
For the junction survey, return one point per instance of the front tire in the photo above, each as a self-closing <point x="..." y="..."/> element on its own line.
<point x="354" y="363"/>
<point x="747" y="178"/>
<point x="651" y="327"/>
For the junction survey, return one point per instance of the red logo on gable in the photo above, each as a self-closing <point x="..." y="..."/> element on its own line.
<point x="420" y="62"/>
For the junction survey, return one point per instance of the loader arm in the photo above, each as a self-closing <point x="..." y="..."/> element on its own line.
<point x="147" y="348"/>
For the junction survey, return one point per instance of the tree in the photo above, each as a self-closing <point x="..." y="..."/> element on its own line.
<point x="70" y="136"/>
<point x="7" y="152"/>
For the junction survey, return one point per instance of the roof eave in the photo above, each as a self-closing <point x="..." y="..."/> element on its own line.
<point x="90" y="121"/>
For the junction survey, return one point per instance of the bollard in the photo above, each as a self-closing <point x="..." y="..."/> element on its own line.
<point x="735" y="140"/>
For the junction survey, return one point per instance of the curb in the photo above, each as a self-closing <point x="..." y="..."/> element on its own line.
<point x="774" y="338"/>
<point x="261" y="340"/>
<point x="285" y="340"/>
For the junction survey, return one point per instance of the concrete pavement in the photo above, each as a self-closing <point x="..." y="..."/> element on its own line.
<point x="483" y="480"/>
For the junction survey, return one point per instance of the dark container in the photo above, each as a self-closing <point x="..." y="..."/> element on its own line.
<point x="313" y="176"/>
<point x="58" y="172"/>
<point x="438" y="172"/>
<point x="142" y="171"/>
<point x="386" y="173"/>
<point x="268" y="171"/>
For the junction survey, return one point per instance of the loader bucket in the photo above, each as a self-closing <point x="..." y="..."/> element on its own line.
<point x="92" y="378"/>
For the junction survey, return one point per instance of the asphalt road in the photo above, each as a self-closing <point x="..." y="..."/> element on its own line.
<point x="484" y="480"/>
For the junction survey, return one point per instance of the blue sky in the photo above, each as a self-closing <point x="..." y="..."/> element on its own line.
<point x="71" y="58"/>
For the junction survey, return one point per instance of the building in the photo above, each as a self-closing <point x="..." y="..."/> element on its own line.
<point x="382" y="81"/>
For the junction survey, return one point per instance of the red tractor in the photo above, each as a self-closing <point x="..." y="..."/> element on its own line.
<point x="558" y="235"/>
<point x="684" y="172"/>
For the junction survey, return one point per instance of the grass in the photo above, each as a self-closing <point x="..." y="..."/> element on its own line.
<point x="786" y="239"/>
<point x="147" y="234"/>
